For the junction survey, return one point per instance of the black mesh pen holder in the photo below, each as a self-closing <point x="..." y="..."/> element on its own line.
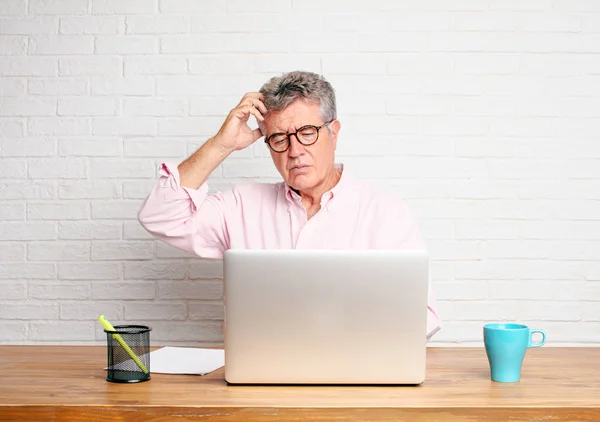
<point x="128" y="348"/>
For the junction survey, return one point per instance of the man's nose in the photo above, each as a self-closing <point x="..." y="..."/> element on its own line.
<point x="296" y="148"/>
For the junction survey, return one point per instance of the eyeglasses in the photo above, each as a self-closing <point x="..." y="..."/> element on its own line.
<point x="306" y="135"/>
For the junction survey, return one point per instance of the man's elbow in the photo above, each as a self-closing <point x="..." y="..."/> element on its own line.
<point x="147" y="219"/>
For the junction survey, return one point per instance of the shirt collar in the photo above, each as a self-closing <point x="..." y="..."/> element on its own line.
<point x="327" y="200"/>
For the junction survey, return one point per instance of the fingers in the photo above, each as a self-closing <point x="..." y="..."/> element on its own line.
<point x="244" y="112"/>
<point x="260" y="106"/>
<point x="254" y="99"/>
<point x="254" y="111"/>
<point x="257" y="95"/>
<point x="256" y="103"/>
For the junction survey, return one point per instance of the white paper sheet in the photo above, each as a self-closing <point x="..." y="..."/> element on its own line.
<point x="181" y="360"/>
<point x="186" y="360"/>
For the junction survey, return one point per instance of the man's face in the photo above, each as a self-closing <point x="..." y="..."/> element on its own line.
<point x="303" y="167"/>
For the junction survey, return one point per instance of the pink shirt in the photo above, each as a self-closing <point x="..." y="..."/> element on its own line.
<point x="353" y="215"/>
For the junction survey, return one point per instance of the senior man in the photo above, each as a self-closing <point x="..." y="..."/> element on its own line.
<point x="317" y="206"/>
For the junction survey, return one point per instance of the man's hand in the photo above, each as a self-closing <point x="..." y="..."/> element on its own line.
<point x="235" y="134"/>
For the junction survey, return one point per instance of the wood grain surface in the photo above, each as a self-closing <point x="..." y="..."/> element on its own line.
<point x="68" y="383"/>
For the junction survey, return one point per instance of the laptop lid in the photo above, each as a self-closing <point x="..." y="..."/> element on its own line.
<point x="325" y="316"/>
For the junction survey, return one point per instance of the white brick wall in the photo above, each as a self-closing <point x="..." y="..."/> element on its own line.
<point x="483" y="114"/>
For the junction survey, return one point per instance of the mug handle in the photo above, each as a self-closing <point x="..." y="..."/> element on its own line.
<point x="539" y="343"/>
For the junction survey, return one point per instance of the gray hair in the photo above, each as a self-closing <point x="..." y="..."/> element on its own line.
<point x="281" y="91"/>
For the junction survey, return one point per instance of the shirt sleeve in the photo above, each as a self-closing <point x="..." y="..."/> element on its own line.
<point x="188" y="219"/>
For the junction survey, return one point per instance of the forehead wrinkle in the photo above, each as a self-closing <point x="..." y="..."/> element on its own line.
<point x="278" y="127"/>
<point x="283" y="121"/>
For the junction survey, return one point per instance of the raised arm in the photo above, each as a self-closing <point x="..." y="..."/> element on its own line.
<point x="235" y="134"/>
<point x="178" y="210"/>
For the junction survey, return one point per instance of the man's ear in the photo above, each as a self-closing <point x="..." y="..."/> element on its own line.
<point x="335" y="127"/>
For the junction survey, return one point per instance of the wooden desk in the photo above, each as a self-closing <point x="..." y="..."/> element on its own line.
<point x="68" y="383"/>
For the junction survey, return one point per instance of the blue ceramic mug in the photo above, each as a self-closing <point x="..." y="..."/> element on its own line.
<point x="505" y="345"/>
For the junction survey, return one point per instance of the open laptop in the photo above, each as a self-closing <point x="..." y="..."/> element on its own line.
<point x="325" y="316"/>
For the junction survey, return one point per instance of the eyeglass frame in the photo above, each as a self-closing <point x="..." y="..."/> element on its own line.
<point x="289" y="137"/>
